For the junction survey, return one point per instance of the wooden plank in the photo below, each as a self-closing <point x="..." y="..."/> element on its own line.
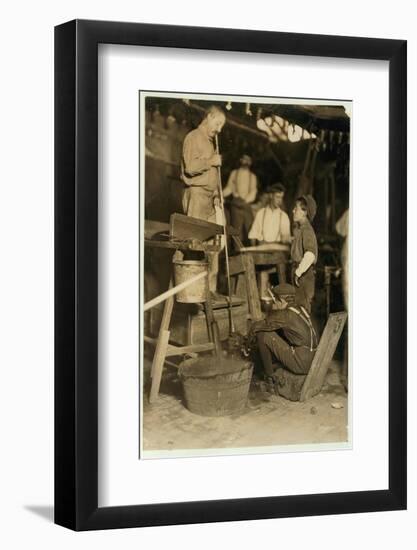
<point x="175" y="245"/>
<point x="149" y="340"/>
<point x="252" y="288"/>
<point x="268" y="258"/>
<point x="173" y="290"/>
<point x="236" y="265"/>
<point x="267" y="248"/>
<point x="212" y="326"/>
<point x="153" y="228"/>
<point x="194" y="348"/>
<point x="324" y="354"/>
<point x="187" y="227"/>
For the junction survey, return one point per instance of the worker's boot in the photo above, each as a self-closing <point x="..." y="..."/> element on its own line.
<point x="270" y="385"/>
<point x="288" y="384"/>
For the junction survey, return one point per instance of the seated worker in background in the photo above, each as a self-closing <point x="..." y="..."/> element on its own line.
<point x="199" y="173"/>
<point x="304" y="250"/>
<point x="287" y="335"/>
<point x="242" y="185"/>
<point x="271" y="225"/>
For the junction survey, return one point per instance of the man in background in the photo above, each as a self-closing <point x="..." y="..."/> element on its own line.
<point x="271" y="225"/>
<point x="242" y="185"/>
<point x="199" y="172"/>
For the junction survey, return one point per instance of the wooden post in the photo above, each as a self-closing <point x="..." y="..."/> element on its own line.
<point x="333" y="201"/>
<point x="158" y="363"/>
<point x="161" y="347"/>
<point x="252" y="287"/>
<point x="282" y="272"/>
<point x="213" y="329"/>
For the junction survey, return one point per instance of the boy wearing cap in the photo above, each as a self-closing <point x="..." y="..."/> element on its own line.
<point x="304" y="250"/>
<point x="286" y="335"/>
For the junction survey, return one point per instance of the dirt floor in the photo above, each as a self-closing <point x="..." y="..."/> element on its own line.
<point x="267" y="419"/>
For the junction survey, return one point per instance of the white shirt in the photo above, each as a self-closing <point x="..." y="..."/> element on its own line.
<point x="243" y="184"/>
<point x="271" y="226"/>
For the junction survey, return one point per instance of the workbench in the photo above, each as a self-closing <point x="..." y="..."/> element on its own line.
<point x="270" y="254"/>
<point x="181" y="236"/>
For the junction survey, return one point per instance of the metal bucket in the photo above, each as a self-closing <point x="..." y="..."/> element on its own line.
<point x="183" y="271"/>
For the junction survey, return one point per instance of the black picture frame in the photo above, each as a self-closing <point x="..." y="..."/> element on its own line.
<point x="76" y="272"/>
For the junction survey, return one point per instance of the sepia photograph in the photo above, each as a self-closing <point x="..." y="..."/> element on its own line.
<point x="244" y="274"/>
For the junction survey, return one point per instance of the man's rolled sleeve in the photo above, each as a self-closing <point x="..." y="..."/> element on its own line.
<point x="194" y="163"/>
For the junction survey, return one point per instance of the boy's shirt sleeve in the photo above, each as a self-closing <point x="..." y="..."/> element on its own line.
<point x="275" y="320"/>
<point x="256" y="231"/>
<point x="310" y="241"/>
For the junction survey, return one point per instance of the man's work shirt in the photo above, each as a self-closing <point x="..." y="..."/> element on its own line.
<point x="198" y="175"/>
<point x="295" y="325"/>
<point x="304" y="241"/>
<point x="242" y="184"/>
<point x="270" y="226"/>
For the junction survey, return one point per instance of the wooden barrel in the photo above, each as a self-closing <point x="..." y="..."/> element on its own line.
<point x="219" y="389"/>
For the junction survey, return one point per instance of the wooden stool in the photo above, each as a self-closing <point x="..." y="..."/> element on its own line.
<point x="164" y="349"/>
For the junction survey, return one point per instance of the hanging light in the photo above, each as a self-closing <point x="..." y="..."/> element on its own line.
<point x="247" y="110"/>
<point x="295" y="133"/>
<point x="229" y="105"/>
<point x="278" y="127"/>
<point x="263" y="126"/>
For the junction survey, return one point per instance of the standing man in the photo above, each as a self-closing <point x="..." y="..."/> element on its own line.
<point x="199" y="172"/>
<point x="304" y="250"/>
<point x="243" y="186"/>
<point x="271" y="225"/>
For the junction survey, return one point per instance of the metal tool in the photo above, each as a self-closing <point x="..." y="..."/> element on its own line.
<point x="226" y="248"/>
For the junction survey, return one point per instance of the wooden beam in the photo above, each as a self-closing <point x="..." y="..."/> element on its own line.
<point x="173" y="290"/>
<point x="324" y="354"/>
<point x="193" y="348"/>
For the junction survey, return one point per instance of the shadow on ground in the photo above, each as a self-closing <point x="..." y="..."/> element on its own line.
<point x="45" y="512"/>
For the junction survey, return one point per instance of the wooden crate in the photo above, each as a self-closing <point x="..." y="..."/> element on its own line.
<point x="188" y="323"/>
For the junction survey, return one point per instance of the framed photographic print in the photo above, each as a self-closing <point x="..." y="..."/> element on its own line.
<point x="230" y="275"/>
